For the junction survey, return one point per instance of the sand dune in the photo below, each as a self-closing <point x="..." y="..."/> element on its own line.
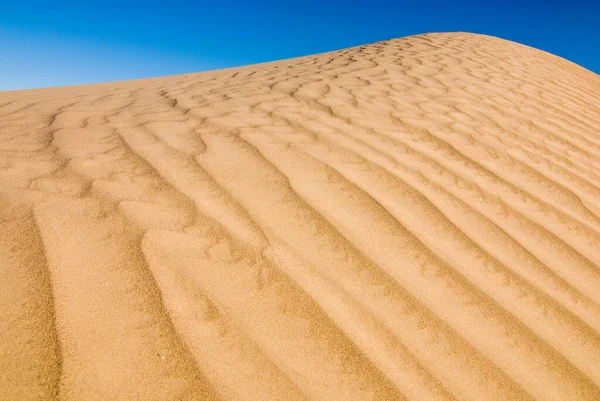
<point x="412" y="219"/>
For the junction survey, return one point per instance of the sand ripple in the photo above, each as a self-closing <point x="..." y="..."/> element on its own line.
<point x="412" y="219"/>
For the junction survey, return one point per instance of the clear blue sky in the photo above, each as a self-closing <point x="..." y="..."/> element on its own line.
<point x="50" y="43"/>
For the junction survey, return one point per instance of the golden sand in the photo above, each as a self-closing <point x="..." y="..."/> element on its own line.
<point x="412" y="219"/>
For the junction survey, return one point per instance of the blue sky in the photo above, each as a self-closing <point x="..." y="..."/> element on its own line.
<point x="51" y="43"/>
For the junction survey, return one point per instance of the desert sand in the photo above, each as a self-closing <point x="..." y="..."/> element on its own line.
<point x="412" y="219"/>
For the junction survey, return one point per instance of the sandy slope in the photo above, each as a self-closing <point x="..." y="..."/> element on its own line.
<point x="412" y="219"/>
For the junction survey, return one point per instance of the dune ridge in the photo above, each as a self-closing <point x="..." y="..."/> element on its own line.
<point x="413" y="219"/>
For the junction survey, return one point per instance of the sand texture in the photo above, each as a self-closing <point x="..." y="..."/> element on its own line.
<point x="415" y="219"/>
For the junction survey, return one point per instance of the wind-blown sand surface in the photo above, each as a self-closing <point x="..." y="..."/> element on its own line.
<point x="412" y="219"/>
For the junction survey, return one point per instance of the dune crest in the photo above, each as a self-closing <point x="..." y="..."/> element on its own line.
<point x="412" y="219"/>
